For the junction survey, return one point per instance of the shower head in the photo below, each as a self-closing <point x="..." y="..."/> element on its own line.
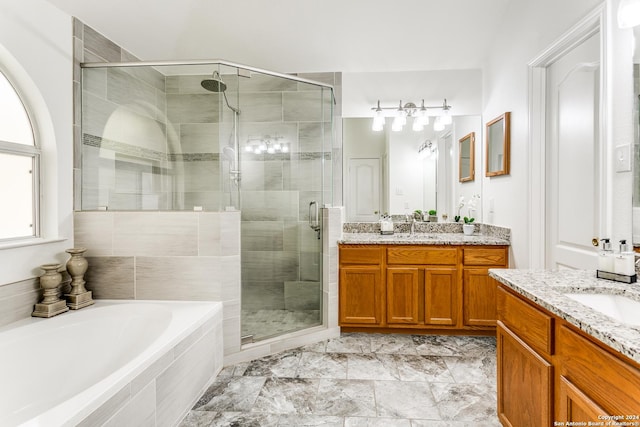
<point x="214" y="84"/>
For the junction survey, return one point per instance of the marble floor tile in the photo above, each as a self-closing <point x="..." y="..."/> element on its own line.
<point x="287" y="396"/>
<point x="350" y="343"/>
<point x="310" y="420"/>
<point x="346" y="398"/>
<point x="475" y="370"/>
<point x="376" y="422"/>
<point x="231" y="394"/>
<point x="372" y="367"/>
<point x="283" y="365"/>
<point x="358" y="380"/>
<point x="443" y="345"/>
<point x="423" y="368"/>
<point x="465" y="402"/>
<point x="399" y="399"/>
<point x="392" y="344"/>
<point x="322" y="365"/>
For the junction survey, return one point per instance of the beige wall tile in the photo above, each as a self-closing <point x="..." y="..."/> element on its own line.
<point x="155" y="234"/>
<point x="229" y="276"/>
<point x="231" y="334"/>
<point x="149" y="374"/>
<point x="108" y="409"/>
<point x="139" y="411"/>
<point x="178" y="278"/>
<point x="111" y="277"/>
<point x="94" y="231"/>
<point x="230" y="233"/>
<point x="180" y="385"/>
<point x="17" y="300"/>
<point x="209" y="233"/>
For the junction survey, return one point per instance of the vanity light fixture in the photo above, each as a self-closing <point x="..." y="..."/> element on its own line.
<point x="629" y="13"/>
<point x="420" y="116"/>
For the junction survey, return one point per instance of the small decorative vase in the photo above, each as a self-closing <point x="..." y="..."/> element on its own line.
<point x="468" y="229"/>
<point x="433" y="218"/>
<point x="77" y="265"/>
<point x="51" y="305"/>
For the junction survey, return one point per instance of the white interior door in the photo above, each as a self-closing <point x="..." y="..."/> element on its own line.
<point x="573" y="172"/>
<point x="364" y="189"/>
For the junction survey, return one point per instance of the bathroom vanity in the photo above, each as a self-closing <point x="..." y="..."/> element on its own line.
<point x="568" y="349"/>
<point x="422" y="282"/>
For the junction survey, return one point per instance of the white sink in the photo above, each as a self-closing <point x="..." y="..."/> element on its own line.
<point x="621" y="308"/>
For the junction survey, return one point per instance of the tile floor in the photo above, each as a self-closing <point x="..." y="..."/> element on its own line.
<point x="359" y="380"/>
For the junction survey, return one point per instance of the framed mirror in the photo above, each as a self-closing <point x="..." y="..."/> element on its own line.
<point x="466" y="158"/>
<point x="498" y="144"/>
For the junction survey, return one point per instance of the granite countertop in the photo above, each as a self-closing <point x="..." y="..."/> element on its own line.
<point x="546" y="288"/>
<point x="421" y="239"/>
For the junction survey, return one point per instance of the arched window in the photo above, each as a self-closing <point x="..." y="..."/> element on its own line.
<point x="19" y="161"/>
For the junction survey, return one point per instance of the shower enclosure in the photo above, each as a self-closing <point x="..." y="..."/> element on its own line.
<point x="217" y="136"/>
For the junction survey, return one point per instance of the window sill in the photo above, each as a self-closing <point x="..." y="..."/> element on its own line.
<point x="30" y="242"/>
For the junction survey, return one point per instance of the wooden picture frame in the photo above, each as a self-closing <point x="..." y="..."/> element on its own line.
<point x="498" y="145"/>
<point x="466" y="157"/>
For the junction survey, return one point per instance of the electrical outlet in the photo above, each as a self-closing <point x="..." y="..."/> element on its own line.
<point x="622" y="158"/>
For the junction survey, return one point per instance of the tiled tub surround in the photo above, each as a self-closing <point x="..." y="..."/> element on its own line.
<point x="165" y="256"/>
<point x="546" y="289"/>
<point x="114" y="363"/>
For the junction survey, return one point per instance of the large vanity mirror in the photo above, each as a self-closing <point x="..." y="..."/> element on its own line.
<point x="498" y="145"/>
<point x="636" y="144"/>
<point x="401" y="172"/>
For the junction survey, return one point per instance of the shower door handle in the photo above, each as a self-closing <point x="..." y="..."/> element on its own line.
<point x="314" y="221"/>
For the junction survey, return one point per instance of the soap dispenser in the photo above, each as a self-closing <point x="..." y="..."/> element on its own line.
<point x="605" y="257"/>
<point x="625" y="260"/>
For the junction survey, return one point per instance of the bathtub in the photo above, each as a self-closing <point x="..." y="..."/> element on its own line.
<point x="113" y="363"/>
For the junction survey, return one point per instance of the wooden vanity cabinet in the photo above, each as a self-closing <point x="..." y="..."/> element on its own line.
<point x="550" y="371"/>
<point x="525" y="372"/>
<point x="419" y="287"/>
<point x="478" y="289"/>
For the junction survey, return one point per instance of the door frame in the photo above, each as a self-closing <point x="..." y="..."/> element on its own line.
<point x="587" y="27"/>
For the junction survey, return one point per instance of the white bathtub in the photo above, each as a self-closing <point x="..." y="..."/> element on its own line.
<point x="110" y="362"/>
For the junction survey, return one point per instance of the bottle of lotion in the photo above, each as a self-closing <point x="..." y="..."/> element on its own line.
<point x="605" y="257"/>
<point x="625" y="260"/>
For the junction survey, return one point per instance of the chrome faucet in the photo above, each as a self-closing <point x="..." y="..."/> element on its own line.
<point x="412" y="221"/>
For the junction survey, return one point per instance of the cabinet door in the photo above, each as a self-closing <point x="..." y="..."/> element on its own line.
<point x="479" y="297"/>
<point x="524" y="383"/>
<point x="361" y="296"/>
<point x="402" y="295"/>
<point x="574" y="405"/>
<point x="441" y="296"/>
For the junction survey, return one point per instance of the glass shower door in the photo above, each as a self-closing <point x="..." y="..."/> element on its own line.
<point x="283" y="131"/>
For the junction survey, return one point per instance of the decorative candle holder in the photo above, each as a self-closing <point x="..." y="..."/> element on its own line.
<point x="77" y="265"/>
<point x="51" y="305"/>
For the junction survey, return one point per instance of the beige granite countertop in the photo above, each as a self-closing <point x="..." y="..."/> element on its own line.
<point x="420" y="239"/>
<point x="546" y="288"/>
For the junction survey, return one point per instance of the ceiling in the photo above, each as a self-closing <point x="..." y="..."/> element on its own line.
<point x="301" y="35"/>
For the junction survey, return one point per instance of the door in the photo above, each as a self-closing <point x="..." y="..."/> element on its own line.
<point x="364" y="189"/>
<point x="360" y="296"/>
<point x="402" y="295"/>
<point x="574" y="193"/>
<point x="441" y="296"/>
<point x="479" y="297"/>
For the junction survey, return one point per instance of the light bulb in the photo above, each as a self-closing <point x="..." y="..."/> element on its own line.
<point x="438" y="125"/>
<point x="285" y="148"/>
<point x="271" y="150"/>
<point x="257" y="150"/>
<point x="446" y="118"/>
<point x="376" y="126"/>
<point x="629" y="13"/>
<point x="248" y="148"/>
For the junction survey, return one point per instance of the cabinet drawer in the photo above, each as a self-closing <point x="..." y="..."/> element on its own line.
<point x="485" y="256"/>
<point x="411" y="255"/>
<point x="611" y="383"/>
<point x="532" y="325"/>
<point x="360" y="255"/>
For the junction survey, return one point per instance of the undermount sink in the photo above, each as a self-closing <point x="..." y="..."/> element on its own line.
<point x="618" y="307"/>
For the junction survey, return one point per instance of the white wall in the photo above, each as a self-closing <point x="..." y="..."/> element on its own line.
<point x="527" y="29"/>
<point x="36" y="52"/>
<point x="462" y="126"/>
